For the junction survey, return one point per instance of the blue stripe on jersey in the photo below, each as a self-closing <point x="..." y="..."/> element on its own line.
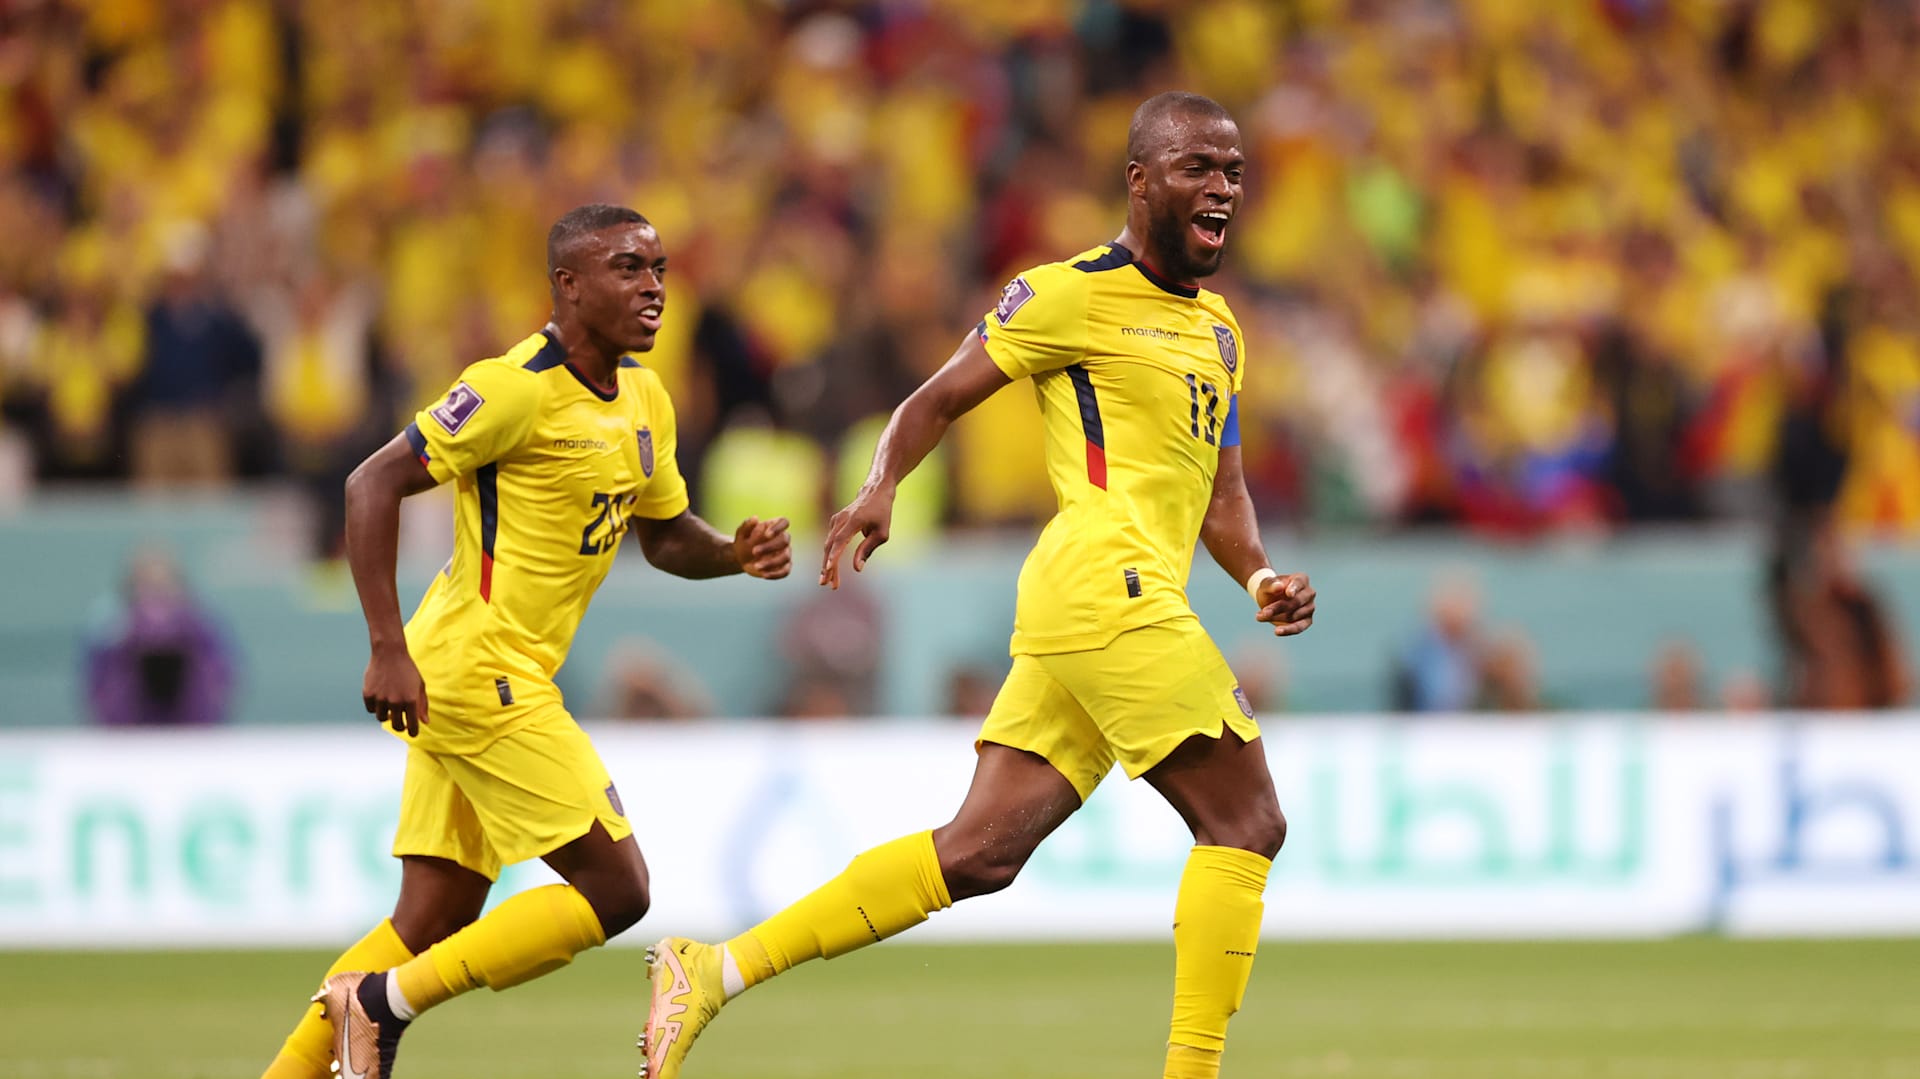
<point x="487" y="483"/>
<point x="1115" y="258"/>
<point x="1089" y="405"/>
<point x="419" y="443"/>
<point x="629" y="361"/>
<point x="1090" y="419"/>
<point x="1230" y="430"/>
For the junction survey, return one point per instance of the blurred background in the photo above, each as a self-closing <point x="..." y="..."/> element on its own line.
<point x="1584" y="378"/>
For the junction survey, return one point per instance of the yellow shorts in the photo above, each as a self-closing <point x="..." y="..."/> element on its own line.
<point x="1133" y="701"/>
<point x="527" y="794"/>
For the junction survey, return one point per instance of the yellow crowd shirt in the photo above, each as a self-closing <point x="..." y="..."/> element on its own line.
<point x="549" y="468"/>
<point x="1138" y="379"/>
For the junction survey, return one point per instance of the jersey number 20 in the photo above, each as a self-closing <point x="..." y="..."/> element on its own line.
<point x="1196" y="390"/>
<point x="612" y="513"/>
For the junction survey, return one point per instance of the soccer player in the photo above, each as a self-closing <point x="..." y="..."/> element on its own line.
<point x="559" y="448"/>
<point x="1137" y="371"/>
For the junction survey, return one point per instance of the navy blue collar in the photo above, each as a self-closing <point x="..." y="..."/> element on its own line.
<point x="555" y="355"/>
<point x="1161" y="283"/>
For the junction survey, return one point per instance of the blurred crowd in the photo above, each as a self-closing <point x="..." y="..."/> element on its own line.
<point x="1523" y="266"/>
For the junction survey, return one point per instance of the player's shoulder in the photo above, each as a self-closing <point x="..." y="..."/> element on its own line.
<point x="1217" y="305"/>
<point x="635" y="373"/>
<point x="1076" y="269"/>
<point x="1058" y="287"/>
<point x="518" y="369"/>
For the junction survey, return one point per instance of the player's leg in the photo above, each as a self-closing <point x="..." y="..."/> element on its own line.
<point x="1016" y="800"/>
<point x="1035" y="737"/>
<point x="1170" y="707"/>
<point x="539" y="791"/>
<point x="438" y="896"/>
<point x="1222" y="789"/>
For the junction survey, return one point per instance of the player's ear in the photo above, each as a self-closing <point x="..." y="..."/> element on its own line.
<point x="565" y="287"/>
<point x="1136" y="179"/>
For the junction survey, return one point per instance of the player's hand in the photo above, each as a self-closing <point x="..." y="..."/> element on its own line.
<point x="394" y="691"/>
<point x="763" y="548"/>
<point x="869" y="515"/>
<point x="1287" y="602"/>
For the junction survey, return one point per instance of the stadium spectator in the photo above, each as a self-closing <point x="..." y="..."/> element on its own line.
<point x="1526" y="267"/>
<point x="1841" y="648"/>
<point x="1509" y="674"/>
<point x="1676" y="678"/>
<point x="1440" y="669"/>
<point x="155" y="657"/>
<point x="641" y="683"/>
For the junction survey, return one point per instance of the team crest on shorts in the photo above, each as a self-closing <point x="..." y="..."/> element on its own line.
<point x="613" y="799"/>
<point x="1012" y="299"/>
<point x="646" y="451"/>
<point x="461" y="403"/>
<point x="1229" y="349"/>
<point x="1240" y="698"/>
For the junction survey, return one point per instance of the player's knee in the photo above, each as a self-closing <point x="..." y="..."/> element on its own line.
<point x="981" y="870"/>
<point x="1260" y="829"/>
<point x="422" y="929"/>
<point x="620" y="902"/>
<point x="1266" y="832"/>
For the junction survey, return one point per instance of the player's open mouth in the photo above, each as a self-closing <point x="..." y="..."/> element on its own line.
<point x="1211" y="227"/>
<point x="650" y="317"/>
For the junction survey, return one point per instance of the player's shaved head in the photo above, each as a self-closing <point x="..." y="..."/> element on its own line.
<point x="1154" y="121"/>
<point x="577" y="225"/>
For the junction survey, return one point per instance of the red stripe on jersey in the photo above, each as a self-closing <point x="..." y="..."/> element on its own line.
<point x="486" y="577"/>
<point x="1096" y="465"/>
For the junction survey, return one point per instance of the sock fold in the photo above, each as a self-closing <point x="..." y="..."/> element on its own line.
<point x="1216" y="931"/>
<point x="530" y="934"/>
<point x="884" y="891"/>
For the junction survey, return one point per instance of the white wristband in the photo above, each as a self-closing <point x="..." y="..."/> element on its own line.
<point x="1260" y="576"/>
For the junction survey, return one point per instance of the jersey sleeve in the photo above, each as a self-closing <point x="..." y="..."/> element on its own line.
<point x="665" y="494"/>
<point x="483" y="417"/>
<point x="1040" y="323"/>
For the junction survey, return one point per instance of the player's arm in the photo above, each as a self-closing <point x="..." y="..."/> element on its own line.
<point x="968" y="378"/>
<point x="1231" y="532"/>
<point x="686" y="546"/>
<point x="393" y="690"/>
<point x="673" y="537"/>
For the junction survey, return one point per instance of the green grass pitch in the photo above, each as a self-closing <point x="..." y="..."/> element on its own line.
<point x="1706" y="1008"/>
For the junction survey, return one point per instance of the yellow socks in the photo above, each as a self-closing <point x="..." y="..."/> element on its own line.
<point x="886" y="890"/>
<point x="537" y="931"/>
<point x="309" y="1049"/>
<point x="1216" y="930"/>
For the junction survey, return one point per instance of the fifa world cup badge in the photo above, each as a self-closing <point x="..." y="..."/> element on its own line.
<point x="461" y="403"/>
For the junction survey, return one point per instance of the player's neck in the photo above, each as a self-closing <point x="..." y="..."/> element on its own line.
<point x="1131" y="240"/>
<point x="594" y="363"/>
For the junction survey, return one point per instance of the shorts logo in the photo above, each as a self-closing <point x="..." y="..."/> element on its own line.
<point x="1012" y="299"/>
<point x="461" y="403"/>
<point x="1229" y="349"/>
<point x="1240" y="698"/>
<point x="613" y="799"/>
<point x="505" y="690"/>
<point x="646" y="451"/>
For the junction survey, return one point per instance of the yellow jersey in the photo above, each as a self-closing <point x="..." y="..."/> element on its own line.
<point x="549" y="468"/>
<point x="1138" y="380"/>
